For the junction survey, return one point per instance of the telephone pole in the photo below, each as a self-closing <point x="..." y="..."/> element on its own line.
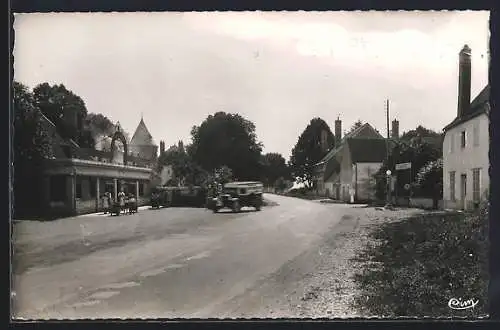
<point x="388" y="173"/>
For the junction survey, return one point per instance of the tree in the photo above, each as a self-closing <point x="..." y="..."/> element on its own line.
<point x="357" y="124"/>
<point x="273" y="167"/>
<point x="99" y="124"/>
<point x="66" y="110"/>
<point x="226" y="139"/>
<point x="308" y="150"/>
<point x="413" y="149"/>
<point x="32" y="146"/>
<point x="429" y="181"/>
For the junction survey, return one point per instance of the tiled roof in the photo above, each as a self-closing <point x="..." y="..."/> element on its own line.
<point x="352" y="134"/>
<point x="142" y="137"/>
<point x="367" y="150"/>
<point x="478" y="106"/>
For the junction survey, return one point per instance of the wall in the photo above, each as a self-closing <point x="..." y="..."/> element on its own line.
<point x="345" y="177"/>
<point x="462" y="161"/>
<point x="363" y="180"/>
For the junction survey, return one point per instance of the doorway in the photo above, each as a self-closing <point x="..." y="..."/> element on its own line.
<point x="463" y="190"/>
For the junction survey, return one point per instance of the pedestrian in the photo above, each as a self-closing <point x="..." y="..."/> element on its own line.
<point x="105" y="203"/>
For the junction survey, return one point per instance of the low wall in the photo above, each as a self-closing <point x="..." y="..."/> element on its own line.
<point x="86" y="206"/>
<point x="424" y="203"/>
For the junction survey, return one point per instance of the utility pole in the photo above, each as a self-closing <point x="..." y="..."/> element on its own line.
<point x="388" y="173"/>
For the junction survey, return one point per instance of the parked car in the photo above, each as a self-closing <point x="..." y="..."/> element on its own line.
<point x="236" y="195"/>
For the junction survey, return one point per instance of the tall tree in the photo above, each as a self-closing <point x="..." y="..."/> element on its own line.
<point x="226" y="139"/>
<point x="274" y="167"/>
<point x="32" y="145"/>
<point x="65" y="109"/>
<point x="308" y="150"/>
<point x="357" y="124"/>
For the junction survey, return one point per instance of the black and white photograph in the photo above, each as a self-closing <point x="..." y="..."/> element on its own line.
<point x="250" y="165"/>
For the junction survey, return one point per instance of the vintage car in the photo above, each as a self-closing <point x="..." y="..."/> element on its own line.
<point x="236" y="195"/>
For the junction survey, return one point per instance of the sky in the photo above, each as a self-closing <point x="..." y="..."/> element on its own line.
<point x="277" y="69"/>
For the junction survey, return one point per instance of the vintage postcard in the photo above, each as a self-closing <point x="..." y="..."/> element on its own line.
<point x="250" y="165"/>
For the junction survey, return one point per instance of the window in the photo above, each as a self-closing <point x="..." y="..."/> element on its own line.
<point x="78" y="187"/>
<point x="476" y="184"/>
<point x="463" y="138"/>
<point x="452" y="142"/>
<point x="452" y="186"/>
<point x="475" y="134"/>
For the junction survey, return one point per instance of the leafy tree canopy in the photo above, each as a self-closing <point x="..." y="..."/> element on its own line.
<point x="274" y="167"/>
<point x="308" y="150"/>
<point x="417" y="147"/>
<point x="357" y="124"/>
<point x="32" y="145"/>
<point x="66" y="110"/>
<point x="226" y="139"/>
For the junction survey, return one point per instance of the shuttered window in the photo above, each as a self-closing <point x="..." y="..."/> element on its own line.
<point x="476" y="134"/>
<point x="476" y="184"/>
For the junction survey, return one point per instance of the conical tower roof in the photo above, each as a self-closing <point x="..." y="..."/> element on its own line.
<point x="142" y="137"/>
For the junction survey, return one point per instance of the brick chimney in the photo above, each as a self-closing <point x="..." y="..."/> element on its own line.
<point x="338" y="131"/>
<point x="395" y="129"/>
<point x="162" y="147"/>
<point x="464" y="81"/>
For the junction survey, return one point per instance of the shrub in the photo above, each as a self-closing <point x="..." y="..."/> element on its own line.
<point x="424" y="262"/>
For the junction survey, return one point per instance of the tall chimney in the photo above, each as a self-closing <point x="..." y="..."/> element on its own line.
<point x="338" y="131"/>
<point x="464" y="81"/>
<point x="162" y="147"/>
<point x="395" y="129"/>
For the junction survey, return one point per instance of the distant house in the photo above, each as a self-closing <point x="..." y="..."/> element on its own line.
<point x="466" y="144"/>
<point x="347" y="170"/>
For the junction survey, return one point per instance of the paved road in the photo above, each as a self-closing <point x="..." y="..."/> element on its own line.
<point x="176" y="262"/>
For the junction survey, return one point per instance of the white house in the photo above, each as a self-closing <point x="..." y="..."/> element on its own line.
<point x="466" y="144"/>
<point x="347" y="170"/>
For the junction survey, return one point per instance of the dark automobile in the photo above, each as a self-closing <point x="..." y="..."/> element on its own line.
<point x="236" y="195"/>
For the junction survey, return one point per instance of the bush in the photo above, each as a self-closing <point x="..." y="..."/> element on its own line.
<point x="425" y="261"/>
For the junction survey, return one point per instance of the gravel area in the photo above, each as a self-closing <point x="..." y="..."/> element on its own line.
<point x="319" y="283"/>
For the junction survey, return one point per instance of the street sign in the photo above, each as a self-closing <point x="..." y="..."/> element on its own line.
<point x="403" y="166"/>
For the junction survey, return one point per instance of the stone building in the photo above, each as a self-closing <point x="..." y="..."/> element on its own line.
<point x="347" y="171"/>
<point x="76" y="178"/>
<point x="466" y="144"/>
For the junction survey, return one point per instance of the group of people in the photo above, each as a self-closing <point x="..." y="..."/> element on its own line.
<point x="125" y="203"/>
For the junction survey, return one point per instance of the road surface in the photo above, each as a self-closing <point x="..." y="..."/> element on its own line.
<point x="175" y="262"/>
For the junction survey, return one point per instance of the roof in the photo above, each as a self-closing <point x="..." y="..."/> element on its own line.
<point x="367" y="150"/>
<point x="478" y="106"/>
<point x="351" y="134"/>
<point x="142" y="137"/>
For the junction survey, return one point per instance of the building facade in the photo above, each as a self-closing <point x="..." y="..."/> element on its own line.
<point x="333" y="174"/>
<point x="466" y="145"/>
<point x="76" y="178"/>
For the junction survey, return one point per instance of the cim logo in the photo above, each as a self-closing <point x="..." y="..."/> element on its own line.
<point x="462" y="304"/>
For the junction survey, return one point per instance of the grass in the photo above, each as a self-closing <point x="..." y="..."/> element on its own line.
<point x="421" y="263"/>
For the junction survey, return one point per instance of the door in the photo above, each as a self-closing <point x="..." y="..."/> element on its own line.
<point x="463" y="190"/>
